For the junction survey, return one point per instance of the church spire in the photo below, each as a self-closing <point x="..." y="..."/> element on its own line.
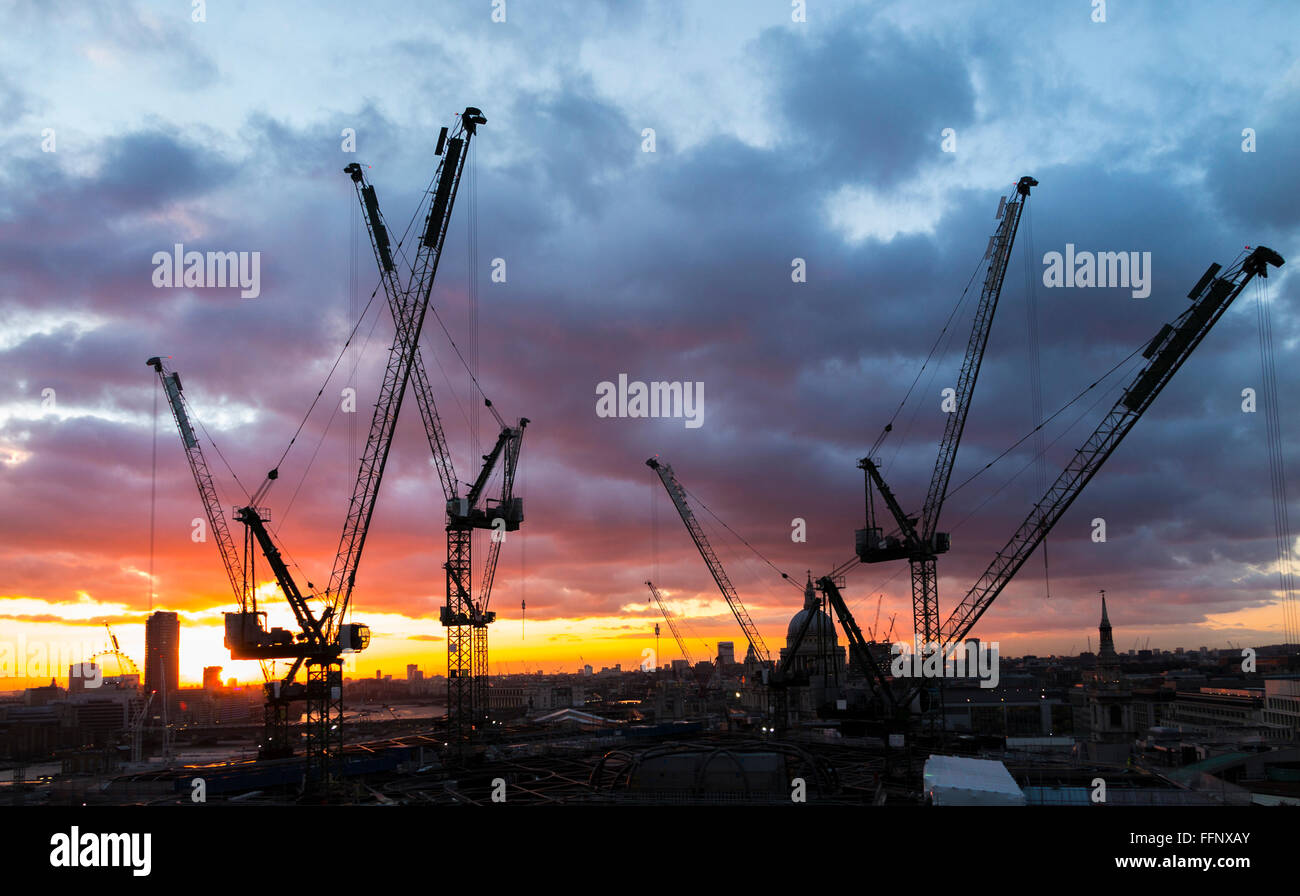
<point x="1107" y="658"/>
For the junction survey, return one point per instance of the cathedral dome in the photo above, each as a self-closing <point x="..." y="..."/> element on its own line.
<point x="820" y="630"/>
<point x="820" y="627"/>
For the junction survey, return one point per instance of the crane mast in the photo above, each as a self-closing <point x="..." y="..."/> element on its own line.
<point x="678" y="496"/>
<point x="467" y="661"/>
<point x="467" y="621"/>
<point x="322" y="639"/>
<point x="922" y="543"/>
<point x="1166" y="352"/>
<point x="408" y="319"/>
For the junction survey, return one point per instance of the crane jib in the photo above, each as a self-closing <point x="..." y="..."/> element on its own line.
<point x="377" y="225"/>
<point x="1167" y="353"/>
<point x="437" y="211"/>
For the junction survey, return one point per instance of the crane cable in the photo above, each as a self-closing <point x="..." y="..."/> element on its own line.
<point x="952" y="314"/>
<point x="654" y="525"/>
<point x="428" y="190"/>
<point x="1035" y="377"/>
<point x="1276" y="467"/>
<point x="1084" y="413"/>
<point x="757" y="553"/>
<point x="153" y="491"/>
<point x="1018" y="473"/>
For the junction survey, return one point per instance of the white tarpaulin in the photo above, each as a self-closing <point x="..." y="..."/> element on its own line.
<point x="959" y="781"/>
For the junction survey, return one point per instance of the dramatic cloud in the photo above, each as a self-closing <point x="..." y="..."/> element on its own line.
<point x="775" y="141"/>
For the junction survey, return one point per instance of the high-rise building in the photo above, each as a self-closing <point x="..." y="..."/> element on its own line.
<point x="162" y="655"/>
<point x="211" y="678"/>
<point x="411" y="670"/>
<point x="81" y="675"/>
<point x="726" y="653"/>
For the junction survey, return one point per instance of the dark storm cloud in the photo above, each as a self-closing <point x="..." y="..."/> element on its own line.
<point x="1258" y="188"/>
<point x="865" y="100"/>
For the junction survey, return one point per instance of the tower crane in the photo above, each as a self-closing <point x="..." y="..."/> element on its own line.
<point x="465" y="618"/>
<point x="247" y="635"/>
<point x="890" y="634"/>
<point x="921" y="543"/>
<point x="322" y="639"/>
<point x="678" y="496"/>
<point x="1165" y="353"/>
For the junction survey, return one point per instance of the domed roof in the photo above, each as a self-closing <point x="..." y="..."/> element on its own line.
<point x="820" y="627"/>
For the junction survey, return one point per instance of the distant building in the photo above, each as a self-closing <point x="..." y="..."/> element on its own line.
<point x="1107" y="658"/>
<point x="819" y="651"/>
<point x="1220" y="711"/>
<point x="726" y="653"/>
<point x="412" y="672"/>
<point x="1282" y="705"/>
<point x="211" y="678"/>
<point x="1103" y="705"/>
<point x="44" y="695"/>
<point x="82" y="674"/>
<point x="162" y="655"/>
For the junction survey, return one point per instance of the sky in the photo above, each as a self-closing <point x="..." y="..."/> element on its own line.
<point x="872" y="141"/>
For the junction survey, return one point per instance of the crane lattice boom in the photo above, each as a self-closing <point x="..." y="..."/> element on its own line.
<point x="171" y="381"/>
<point x="678" y="496"/>
<point x="1165" y="354"/>
<point x="672" y="623"/>
<point x="408" y="320"/>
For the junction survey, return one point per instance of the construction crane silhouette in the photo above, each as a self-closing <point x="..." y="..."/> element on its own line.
<point x="323" y="637"/>
<point x="678" y="496"/>
<point x="1165" y="353"/>
<point x="466" y="619"/>
<point x="919" y="540"/>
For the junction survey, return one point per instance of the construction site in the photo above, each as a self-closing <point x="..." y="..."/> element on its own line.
<point x="830" y="717"/>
